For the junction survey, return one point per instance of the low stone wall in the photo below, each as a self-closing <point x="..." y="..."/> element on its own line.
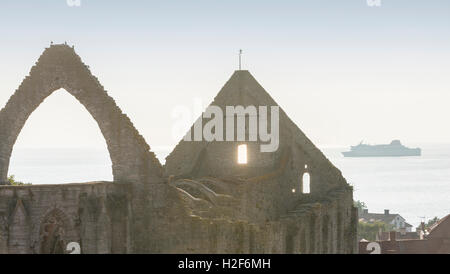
<point x="38" y="219"/>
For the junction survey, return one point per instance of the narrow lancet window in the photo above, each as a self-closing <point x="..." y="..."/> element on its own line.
<point x="306" y="183"/>
<point x="242" y="154"/>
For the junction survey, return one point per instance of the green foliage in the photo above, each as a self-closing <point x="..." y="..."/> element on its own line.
<point x="13" y="182"/>
<point x="431" y="222"/>
<point x="369" y="231"/>
<point x="359" y="205"/>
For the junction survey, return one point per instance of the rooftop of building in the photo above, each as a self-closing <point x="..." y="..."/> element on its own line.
<point x="385" y="217"/>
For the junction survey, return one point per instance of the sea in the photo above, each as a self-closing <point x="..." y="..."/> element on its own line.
<point x="417" y="188"/>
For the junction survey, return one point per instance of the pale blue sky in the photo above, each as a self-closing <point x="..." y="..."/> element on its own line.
<point x="343" y="71"/>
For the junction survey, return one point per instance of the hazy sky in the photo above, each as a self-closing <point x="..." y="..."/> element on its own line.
<point x="343" y="71"/>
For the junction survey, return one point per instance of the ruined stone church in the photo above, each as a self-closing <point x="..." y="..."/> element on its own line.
<point x="203" y="200"/>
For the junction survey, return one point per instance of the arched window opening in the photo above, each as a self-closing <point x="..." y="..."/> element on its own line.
<point x="242" y="154"/>
<point x="53" y="233"/>
<point x="306" y="183"/>
<point x="60" y="143"/>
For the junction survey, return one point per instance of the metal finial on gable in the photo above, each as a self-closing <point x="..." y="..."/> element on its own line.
<point x="240" y="59"/>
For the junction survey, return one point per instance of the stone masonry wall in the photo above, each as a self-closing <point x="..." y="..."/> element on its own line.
<point x="149" y="208"/>
<point x="60" y="67"/>
<point x="91" y="214"/>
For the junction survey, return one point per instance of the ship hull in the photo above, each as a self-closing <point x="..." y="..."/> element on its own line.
<point x="387" y="153"/>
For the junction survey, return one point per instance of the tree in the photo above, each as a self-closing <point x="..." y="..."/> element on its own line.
<point x="369" y="231"/>
<point x="13" y="182"/>
<point x="359" y="205"/>
<point x="431" y="222"/>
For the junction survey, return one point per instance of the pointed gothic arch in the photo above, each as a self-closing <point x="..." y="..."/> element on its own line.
<point x="52" y="232"/>
<point x="59" y="67"/>
<point x="19" y="230"/>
